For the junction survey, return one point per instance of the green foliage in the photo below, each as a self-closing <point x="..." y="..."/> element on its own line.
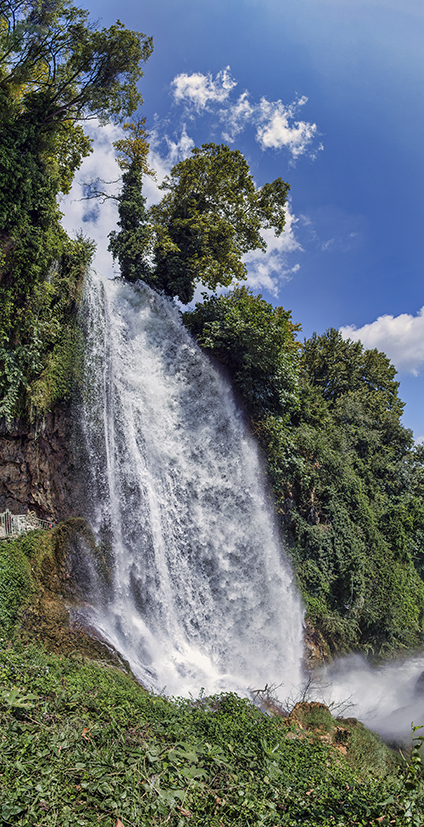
<point x="410" y="798"/>
<point x="132" y="243"/>
<point x="257" y="344"/>
<point x="83" y="744"/>
<point x="58" y="67"/>
<point x="56" y="70"/>
<point x="40" y="364"/>
<point x="15" y="583"/>
<point x="347" y="481"/>
<point x="338" y="366"/>
<point x="211" y="215"/>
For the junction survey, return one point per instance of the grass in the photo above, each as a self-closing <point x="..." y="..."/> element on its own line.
<point x="82" y="743"/>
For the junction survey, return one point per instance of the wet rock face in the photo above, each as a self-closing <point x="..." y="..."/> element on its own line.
<point x="37" y="467"/>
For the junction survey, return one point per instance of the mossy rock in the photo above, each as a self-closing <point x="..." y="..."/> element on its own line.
<point x="362" y="749"/>
<point x="312" y="716"/>
<point x="42" y="573"/>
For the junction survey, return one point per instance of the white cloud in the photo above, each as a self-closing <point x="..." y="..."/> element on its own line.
<point x="275" y="123"/>
<point x="400" y="337"/>
<point x="177" y="151"/>
<point x="236" y="117"/>
<point x="93" y="219"/>
<point x="269" y="269"/>
<point x="199" y="90"/>
<point x="277" y="128"/>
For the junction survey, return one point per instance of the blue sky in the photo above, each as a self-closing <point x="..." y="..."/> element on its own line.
<point x="327" y="94"/>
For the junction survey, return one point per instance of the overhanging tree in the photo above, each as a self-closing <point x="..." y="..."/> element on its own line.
<point x="57" y="70"/>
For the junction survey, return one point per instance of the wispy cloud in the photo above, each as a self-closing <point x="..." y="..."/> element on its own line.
<point x="274" y="122"/>
<point x="89" y="217"/>
<point x="164" y="153"/>
<point x="236" y="117"/>
<point x="198" y="90"/>
<point x="401" y="337"/>
<point x="270" y="269"/>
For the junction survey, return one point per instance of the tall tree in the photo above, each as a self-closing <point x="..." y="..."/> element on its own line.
<point x="132" y="243"/>
<point x="56" y="71"/>
<point x="211" y="215"/>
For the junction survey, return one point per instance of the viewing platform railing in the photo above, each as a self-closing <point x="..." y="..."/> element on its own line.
<point x="11" y="525"/>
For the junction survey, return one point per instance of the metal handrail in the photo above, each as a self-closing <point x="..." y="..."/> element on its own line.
<point x="11" y="525"/>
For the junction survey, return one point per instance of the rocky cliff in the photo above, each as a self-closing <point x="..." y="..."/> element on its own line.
<point x="37" y="467"/>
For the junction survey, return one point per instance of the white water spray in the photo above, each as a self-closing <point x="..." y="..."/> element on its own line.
<point x="202" y="595"/>
<point x="387" y="699"/>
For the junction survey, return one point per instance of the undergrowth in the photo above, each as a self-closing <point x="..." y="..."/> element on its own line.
<point x="83" y="744"/>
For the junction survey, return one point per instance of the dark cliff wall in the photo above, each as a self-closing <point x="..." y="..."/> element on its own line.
<point x="37" y="467"/>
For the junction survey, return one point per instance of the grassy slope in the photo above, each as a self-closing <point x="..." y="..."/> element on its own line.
<point x="81" y="743"/>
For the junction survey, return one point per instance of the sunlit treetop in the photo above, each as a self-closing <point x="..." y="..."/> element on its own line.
<point x="54" y="62"/>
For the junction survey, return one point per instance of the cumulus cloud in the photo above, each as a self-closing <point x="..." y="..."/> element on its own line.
<point x="199" y="90"/>
<point x="277" y="128"/>
<point x="401" y="337"/>
<point x="274" y="122"/>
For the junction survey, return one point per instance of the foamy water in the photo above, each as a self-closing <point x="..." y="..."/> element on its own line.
<point x="203" y="594"/>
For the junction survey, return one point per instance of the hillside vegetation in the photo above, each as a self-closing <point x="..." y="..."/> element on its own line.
<point x="83" y="744"/>
<point x="347" y="479"/>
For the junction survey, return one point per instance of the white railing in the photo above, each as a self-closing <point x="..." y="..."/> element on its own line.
<point x="13" y="524"/>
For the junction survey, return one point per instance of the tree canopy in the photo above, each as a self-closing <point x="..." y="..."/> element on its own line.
<point x="55" y="65"/>
<point x="256" y="342"/>
<point x="57" y="70"/>
<point x="211" y="215"/>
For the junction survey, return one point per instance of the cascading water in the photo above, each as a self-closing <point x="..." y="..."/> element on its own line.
<point x="201" y="595"/>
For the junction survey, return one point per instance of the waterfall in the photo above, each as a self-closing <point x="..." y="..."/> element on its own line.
<point x="201" y="593"/>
